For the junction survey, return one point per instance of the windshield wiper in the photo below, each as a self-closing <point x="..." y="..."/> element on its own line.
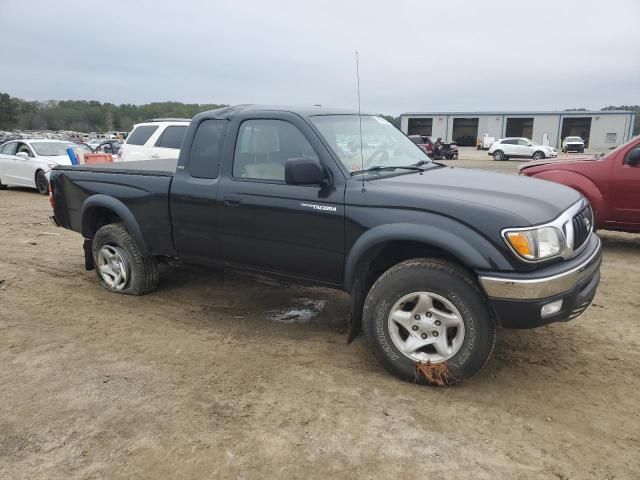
<point x="380" y="168"/>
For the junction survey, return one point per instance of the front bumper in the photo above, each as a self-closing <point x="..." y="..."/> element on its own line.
<point x="517" y="299"/>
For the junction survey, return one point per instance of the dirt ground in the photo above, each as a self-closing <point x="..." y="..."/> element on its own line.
<point x="224" y="375"/>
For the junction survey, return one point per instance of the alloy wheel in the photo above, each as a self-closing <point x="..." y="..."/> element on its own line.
<point x="425" y="326"/>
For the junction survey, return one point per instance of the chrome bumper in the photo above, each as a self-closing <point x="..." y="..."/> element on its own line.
<point x="544" y="287"/>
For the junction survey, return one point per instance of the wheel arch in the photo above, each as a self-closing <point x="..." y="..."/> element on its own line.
<point x="382" y="247"/>
<point x="38" y="169"/>
<point x="99" y="210"/>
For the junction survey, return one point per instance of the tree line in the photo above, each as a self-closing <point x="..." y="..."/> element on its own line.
<point x="87" y="116"/>
<point x="94" y="116"/>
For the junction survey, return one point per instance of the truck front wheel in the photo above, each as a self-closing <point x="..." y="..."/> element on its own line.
<point x="120" y="265"/>
<point x="428" y="315"/>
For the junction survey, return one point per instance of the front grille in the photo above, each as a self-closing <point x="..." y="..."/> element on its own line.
<point x="582" y="227"/>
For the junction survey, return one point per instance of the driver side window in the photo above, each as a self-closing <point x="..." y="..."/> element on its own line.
<point x="523" y="143"/>
<point x="264" y="146"/>
<point x="23" y="148"/>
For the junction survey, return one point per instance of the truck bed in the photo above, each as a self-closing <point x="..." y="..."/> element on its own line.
<point x="137" y="192"/>
<point x="160" y="168"/>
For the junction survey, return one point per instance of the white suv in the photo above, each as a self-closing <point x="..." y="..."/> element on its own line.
<point x="517" y="147"/>
<point x="161" y="138"/>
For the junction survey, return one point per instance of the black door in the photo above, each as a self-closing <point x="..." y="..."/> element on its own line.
<point x="269" y="225"/>
<point x="194" y="194"/>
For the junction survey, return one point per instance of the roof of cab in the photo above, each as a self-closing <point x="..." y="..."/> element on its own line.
<point x="304" y="111"/>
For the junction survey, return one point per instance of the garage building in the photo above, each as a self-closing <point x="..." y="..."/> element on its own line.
<point x="600" y="130"/>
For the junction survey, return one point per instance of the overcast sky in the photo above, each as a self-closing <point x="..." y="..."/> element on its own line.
<point x="414" y="55"/>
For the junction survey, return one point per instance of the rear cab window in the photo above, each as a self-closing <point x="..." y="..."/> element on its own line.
<point x="172" y="137"/>
<point x="141" y="134"/>
<point x="206" y="149"/>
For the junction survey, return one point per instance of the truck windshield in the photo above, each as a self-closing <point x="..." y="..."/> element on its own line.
<point x="383" y="145"/>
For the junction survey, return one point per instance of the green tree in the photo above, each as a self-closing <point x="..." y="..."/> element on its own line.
<point x="9" y="109"/>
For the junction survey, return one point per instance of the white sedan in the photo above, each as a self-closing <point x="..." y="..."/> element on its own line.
<point x="518" y="147"/>
<point x="25" y="163"/>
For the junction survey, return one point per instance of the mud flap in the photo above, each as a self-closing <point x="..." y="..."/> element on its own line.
<point x="88" y="255"/>
<point x="357" y="304"/>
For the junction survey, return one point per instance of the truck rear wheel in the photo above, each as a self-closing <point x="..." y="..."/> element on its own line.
<point x="120" y="265"/>
<point x="427" y="315"/>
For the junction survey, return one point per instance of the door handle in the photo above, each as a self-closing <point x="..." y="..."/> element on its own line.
<point x="232" y="200"/>
<point x="155" y="155"/>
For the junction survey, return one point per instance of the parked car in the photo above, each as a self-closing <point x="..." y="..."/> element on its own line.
<point x="485" y="142"/>
<point x="611" y="182"/>
<point x="424" y="142"/>
<point x="25" y="163"/>
<point x="517" y="147"/>
<point x="94" y="142"/>
<point x="573" y="144"/>
<point x="433" y="257"/>
<point x="155" y="139"/>
<point x="111" y="147"/>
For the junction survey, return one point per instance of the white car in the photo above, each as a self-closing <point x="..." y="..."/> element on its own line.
<point x="26" y="163"/>
<point x="573" y="144"/>
<point x="94" y="142"/>
<point x="518" y="147"/>
<point x="160" y="138"/>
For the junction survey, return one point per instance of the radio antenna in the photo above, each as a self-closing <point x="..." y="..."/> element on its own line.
<point x="360" y="119"/>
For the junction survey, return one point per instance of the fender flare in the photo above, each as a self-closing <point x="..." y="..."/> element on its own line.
<point x="472" y="249"/>
<point x="583" y="185"/>
<point x="117" y="207"/>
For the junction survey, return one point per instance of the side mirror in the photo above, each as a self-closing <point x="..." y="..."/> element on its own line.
<point x="22" y="155"/>
<point x="304" y="171"/>
<point x="634" y="157"/>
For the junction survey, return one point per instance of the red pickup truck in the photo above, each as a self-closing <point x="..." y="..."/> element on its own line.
<point x="611" y="182"/>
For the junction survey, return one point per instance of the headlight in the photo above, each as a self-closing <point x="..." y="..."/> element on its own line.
<point x="537" y="243"/>
<point x="51" y="165"/>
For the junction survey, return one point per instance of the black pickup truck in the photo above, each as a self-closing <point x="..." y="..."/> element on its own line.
<point x="434" y="257"/>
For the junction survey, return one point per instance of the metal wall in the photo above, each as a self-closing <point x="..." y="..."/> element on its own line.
<point x="607" y="129"/>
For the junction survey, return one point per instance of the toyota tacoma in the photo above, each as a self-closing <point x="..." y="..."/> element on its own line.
<point x="433" y="257"/>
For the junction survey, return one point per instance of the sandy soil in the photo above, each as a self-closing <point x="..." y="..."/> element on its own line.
<point x="223" y="375"/>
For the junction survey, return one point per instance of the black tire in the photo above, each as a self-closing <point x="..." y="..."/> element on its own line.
<point x="2" y="186"/>
<point x="498" y="155"/>
<point x="447" y="280"/>
<point x="538" y="155"/>
<point x="42" y="184"/>
<point x="142" y="270"/>
<point x="582" y="150"/>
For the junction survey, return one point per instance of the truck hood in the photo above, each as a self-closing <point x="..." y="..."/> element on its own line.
<point x="561" y="161"/>
<point x="475" y="196"/>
